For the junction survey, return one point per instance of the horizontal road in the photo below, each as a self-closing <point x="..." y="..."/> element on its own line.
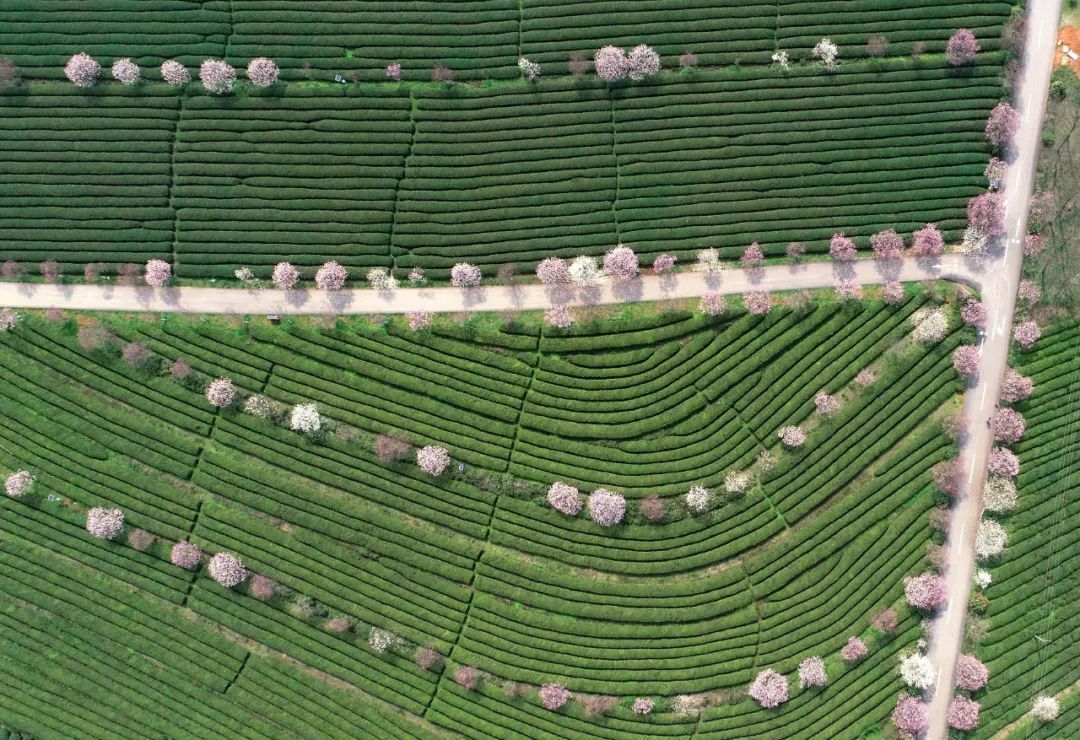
<point x="485" y="298"/>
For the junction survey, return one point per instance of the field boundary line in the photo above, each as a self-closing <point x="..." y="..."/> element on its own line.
<point x="413" y="104"/>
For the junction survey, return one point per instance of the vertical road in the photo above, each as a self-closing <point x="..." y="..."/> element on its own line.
<point x="1002" y="275"/>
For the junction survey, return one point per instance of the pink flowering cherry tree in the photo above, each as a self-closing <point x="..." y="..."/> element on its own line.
<point x="220" y="392"/>
<point x="966" y="360"/>
<point x="158" y="273"/>
<point x="565" y="498"/>
<point x="621" y="263"/>
<point x="887" y="245"/>
<point x="606" y="507"/>
<point x="1016" y="387"/>
<point x="1002" y="125"/>
<point x="331" y="276"/>
<point x="227" y="569"/>
<point x="911" y="715"/>
<point x="926" y="591"/>
<point x="971" y="673"/>
<point x="841" y="248"/>
<point x="962" y="47"/>
<point x="854" y="650"/>
<point x="1003" y="463"/>
<point x="769" y="689"/>
<point x="285" y="276"/>
<point x="928" y="242"/>
<point x="1026" y="333"/>
<point x="962" y="714"/>
<point x="465" y="275"/>
<point x="1009" y="426"/>
<point x="554" y="695"/>
<point x="82" y="70"/>
<point x="262" y="72"/>
<point x="186" y="555"/>
<point x="432" y="459"/>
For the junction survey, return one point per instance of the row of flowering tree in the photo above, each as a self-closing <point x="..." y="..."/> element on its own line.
<point x="217" y="76"/>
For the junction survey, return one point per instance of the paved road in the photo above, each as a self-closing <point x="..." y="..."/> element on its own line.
<point x="999" y="293"/>
<point x="439" y="300"/>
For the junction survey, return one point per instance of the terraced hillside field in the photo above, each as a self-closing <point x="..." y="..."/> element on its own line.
<point x="473" y="563"/>
<point x="1034" y="612"/>
<point x="385" y="176"/>
<point x="478" y="39"/>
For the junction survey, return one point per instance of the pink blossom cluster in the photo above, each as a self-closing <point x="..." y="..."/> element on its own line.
<point x="841" y="248"/>
<point x="610" y="63"/>
<point x="712" y="303"/>
<point x="285" y="276"/>
<point x="158" y="273"/>
<point x="974" y="313"/>
<point x="848" y="289"/>
<point x="559" y="316"/>
<point x="962" y="47"/>
<point x="971" y="673"/>
<point x="812" y="673"/>
<point x="331" y="276"/>
<point x="769" y="689"/>
<point x="467" y="677"/>
<point x="1026" y="333"/>
<point x="554" y="696"/>
<point x="105" y="524"/>
<point x="186" y="555"/>
<point x="926" y="591"/>
<point x="865" y="377"/>
<point x="1009" y="426"/>
<point x="175" y="73"/>
<point x="220" y="392"/>
<point x="854" y="650"/>
<point x="795" y="251"/>
<point x="19" y="483"/>
<point x="643" y="705"/>
<point x="893" y="292"/>
<point x="1016" y="387"/>
<point x="1002" y="125"/>
<point x="621" y="263"/>
<point x="1034" y="244"/>
<point x="887" y="245"/>
<point x="758" y="302"/>
<point x="965" y="359"/>
<point x="217" y="76"/>
<point x="227" y="569"/>
<point x="664" y="263"/>
<point x="948" y="475"/>
<point x="928" y="242"/>
<point x="262" y="72"/>
<point x="986" y="214"/>
<point x="1041" y="207"/>
<point x="884" y="621"/>
<point x="9" y="319"/>
<point x="911" y="715"/>
<point x="126" y="72"/>
<point x="553" y="271"/>
<point x="826" y="404"/>
<point x="994" y="173"/>
<point x="432" y="460"/>
<point x="416" y="276"/>
<point x="792" y="436"/>
<point x="465" y="275"/>
<point x="82" y="70"/>
<point x="1003" y="463"/>
<point x="642" y="62"/>
<point x="963" y="714"/>
<point x="752" y="256"/>
<point x="606" y="507"/>
<point x="418" y="320"/>
<point x="393" y="71"/>
<point x="565" y="498"/>
<point x="1029" y="291"/>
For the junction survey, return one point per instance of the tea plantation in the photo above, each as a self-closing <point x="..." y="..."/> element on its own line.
<point x="1031" y="647"/>
<point x="491" y="169"/>
<point x="110" y="639"/>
